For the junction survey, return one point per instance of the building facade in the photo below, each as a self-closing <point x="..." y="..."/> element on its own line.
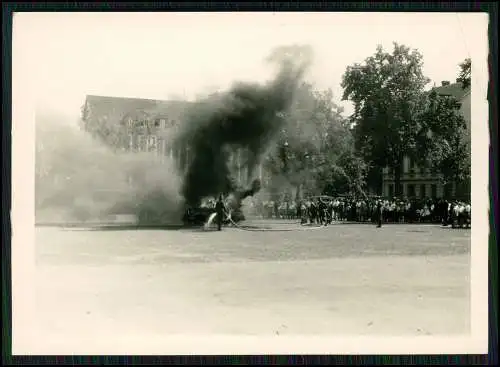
<point x="422" y="182"/>
<point x="136" y="125"/>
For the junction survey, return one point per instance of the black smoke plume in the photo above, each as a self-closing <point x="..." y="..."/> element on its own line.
<point x="248" y="116"/>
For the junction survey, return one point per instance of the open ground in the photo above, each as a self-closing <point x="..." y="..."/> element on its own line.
<point x="343" y="279"/>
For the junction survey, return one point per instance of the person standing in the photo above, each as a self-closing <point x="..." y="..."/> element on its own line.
<point x="379" y="213"/>
<point x="445" y="212"/>
<point x="299" y="210"/>
<point x="322" y="212"/>
<point x="219" y="208"/>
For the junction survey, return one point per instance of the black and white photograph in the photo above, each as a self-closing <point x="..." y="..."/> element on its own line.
<point x="249" y="183"/>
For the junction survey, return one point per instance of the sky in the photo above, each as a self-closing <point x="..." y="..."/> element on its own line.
<point x="182" y="55"/>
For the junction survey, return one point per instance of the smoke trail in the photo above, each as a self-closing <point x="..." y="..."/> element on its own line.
<point x="247" y="117"/>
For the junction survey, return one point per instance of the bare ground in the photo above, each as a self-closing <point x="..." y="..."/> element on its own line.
<point x="343" y="279"/>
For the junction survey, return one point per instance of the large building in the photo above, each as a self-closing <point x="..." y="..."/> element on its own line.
<point x="138" y="125"/>
<point x="421" y="182"/>
<point x="146" y="125"/>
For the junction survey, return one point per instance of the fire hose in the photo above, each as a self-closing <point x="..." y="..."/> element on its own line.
<point x="236" y="225"/>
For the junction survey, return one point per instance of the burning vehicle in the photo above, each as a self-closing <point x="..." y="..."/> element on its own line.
<point x="198" y="216"/>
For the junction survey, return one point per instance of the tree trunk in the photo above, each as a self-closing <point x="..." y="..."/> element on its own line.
<point x="397" y="180"/>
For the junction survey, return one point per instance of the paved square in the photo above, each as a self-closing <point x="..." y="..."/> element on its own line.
<point x="343" y="279"/>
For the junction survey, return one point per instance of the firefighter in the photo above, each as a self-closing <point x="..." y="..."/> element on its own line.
<point x="220" y="209"/>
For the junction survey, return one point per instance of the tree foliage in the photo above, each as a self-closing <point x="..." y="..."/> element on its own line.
<point x="444" y="142"/>
<point x="465" y="73"/>
<point x="316" y="150"/>
<point x="387" y="92"/>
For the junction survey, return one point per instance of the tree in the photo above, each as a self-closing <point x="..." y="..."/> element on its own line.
<point x="443" y="141"/>
<point x="465" y="73"/>
<point x="110" y="130"/>
<point x="315" y="150"/>
<point x="443" y="138"/>
<point x="387" y="92"/>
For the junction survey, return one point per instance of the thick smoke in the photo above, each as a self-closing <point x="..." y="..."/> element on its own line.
<point x="246" y="117"/>
<point x="80" y="179"/>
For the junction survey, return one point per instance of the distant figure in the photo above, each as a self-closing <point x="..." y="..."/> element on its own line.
<point x="322" y="212"/>
<point x="444" y="212"/>
<point x="219" y="208"/>
<point x="379" y="213"/>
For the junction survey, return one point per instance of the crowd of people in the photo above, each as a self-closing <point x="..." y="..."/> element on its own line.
<point x="325" y="210"/>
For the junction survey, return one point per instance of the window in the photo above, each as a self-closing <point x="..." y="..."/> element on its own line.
<point x="163" y="148"/>
<point x="411" y="190"/>
<point x="391" y="190"/>
<point x="163" y="123"/>
<point x="411" y="163"/>
<point x="160" y="150"/>
<point x="141" y="143"/>
<point x="423" y="194"/>
<point x="434" y="191"/>
<point x="130" y="141"/>
<point x="425" y="168"/>
<point x="130" y="179"/>
<point x="157" y="122"/>
<point x="152" y="143"/>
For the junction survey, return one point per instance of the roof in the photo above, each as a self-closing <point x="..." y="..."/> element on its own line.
<point x="454" y="90"/>
<point x="127" y="105"/>
<point x="93" y="97"/>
